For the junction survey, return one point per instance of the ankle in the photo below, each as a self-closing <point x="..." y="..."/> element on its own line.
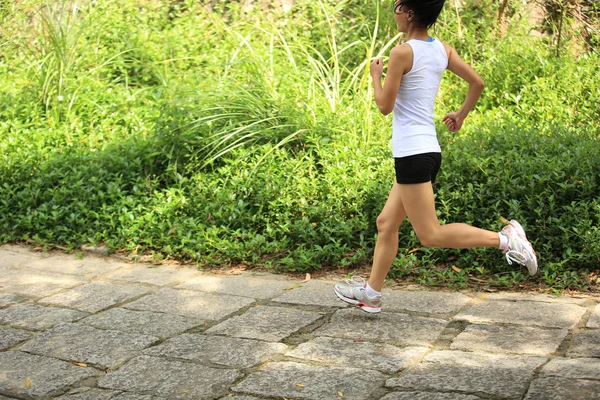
<point x="371" y="292"/>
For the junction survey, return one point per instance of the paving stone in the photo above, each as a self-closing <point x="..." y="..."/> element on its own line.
<point x="29" y="376"/>
<point x="85" y="393"/>
<point x="36" y="283"/>
<point x="10" y="299"/>
<point x="575" y="368"/>
<point x="190" y="304"/>
<point x="381" y="357"/>
<point x="424" y="302"/>
<point x="266" y="323"/>
<point x="393" y="328"/>
<point x="142" y="322"/>
<point x="545" y="298"/>
<point x="165" y="275"/>
<point x="510" y="339"/>
<point x="240" y="398"/>
<point x="224" y="351"/>
<point x="171" y="379"/>
<point x="133" y="396"/>
<point x="88" y="267"/>
<point x="244" y="285"/>
<point x="563" y="389"/>
<point x="594" y="321"/>
<point x="295" y="380"/>
<point x="15" y="256"/>
<point x="314" y="293"/>
<point x="524" y="313"/>
<point x="490" y="374"/>
<point x="428" y="396"/>
<point x="32" y="316"/>
<point x="95" y="296"/>
<point x="585" y="344"/>
<point x="10" y="337"/>
<point x="85" y="344"/>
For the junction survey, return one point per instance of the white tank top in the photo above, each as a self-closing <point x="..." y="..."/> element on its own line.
<point x="413" y="127"/>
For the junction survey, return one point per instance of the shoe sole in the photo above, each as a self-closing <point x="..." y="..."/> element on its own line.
<point x="362" y="306"/>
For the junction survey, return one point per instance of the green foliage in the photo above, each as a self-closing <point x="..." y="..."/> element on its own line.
<point x="230" y="136"/>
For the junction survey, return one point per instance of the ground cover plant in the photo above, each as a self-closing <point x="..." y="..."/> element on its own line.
<point x="215" y="134"/>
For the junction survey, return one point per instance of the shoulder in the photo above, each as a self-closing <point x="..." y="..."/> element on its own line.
<point x="401" y="51"/>
<point x="449" y="49"/>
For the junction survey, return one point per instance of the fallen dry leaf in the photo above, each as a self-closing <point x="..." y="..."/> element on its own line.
<point x="27" y="382"/>
<point x="307" y="278"/>
<point x="340" y="394"/>
<point x="454" y="267"/>
<point x="80" y="364"/>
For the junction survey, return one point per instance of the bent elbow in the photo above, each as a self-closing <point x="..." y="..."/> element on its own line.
<point x="385" y="110"/>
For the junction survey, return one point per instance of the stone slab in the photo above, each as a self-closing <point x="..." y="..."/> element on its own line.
<point x="165" y="275"/>
<point x="10" y="299"/>
<point x="86" y="393"/>
<point x="85" y="344"/>
<point x="375" y="356"/>
<point x="36" y="283"/>
<point x="509" y="339"/>
<point x="585" y="344"/>
<point x="563" y="389"/>
<point x="29" y="376"/>
<point x="424" y="302"/>
<point x="313" y="293"/>
<point x="34" y="317"/>
<point x="221" y="351"/>
<point x="241" y="285"/>
<point x="470" y="373"/>
<point x="295" y="380"/>
<point x="15" y="256"/>
<point x="134" y="396"/>
<point x="141" y="322"/>
<point x="574" y="368"/>
<point x="594" y="321"/>
<point x="428" y="396"/>
<point x="192" y="304"/>
<point x="95" y="296"/>
<point x="170" y="379"/>
<point x="530" y="313"/>
<point x="10" y="337"/>
<point x="392" y="328"/>
<point x="539" y="297"/>
<point x="266" y="323"/>
<point x="240" y="398"/>
<point x="88" y="267"/>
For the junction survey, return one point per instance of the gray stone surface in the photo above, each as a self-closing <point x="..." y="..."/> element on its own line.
<point x="15" y="256"/>
<point x="295" y="380"/>
<point x="424" y="302"/>
<point x="524" y="313"/>
<point x="585" y="344"/>
<point x="36" y="284"/>
<point x="165" y="275"/>
<point x="25" y="375"/>
<point x="85" y="344"/>
<point x="189" y="303"/>
<point x="376" y="356"/>
<point x="563" y="389"/>
<point x="32" y="316"/>
<point x="266" y="323"/>
<point x="88" y="267"/>
<point x="594" y="321"/>
<point x="428" y="396"/>
<point x="141" y="322"/>
<point x="95" y="296"/>
<point x="576" y="368"/>
<point x="10" y="337"/>
<point x="240" y="398"/>
<point x="314" y="293"/>
<point x="241" y="285"/>
<point x="510" y="339"/>
<point x="540" y="297"/>
<point x="393" y="328"/>
<point x="221" y="351"/>
<point x="470" y="373"/>
<point x="171" y="379"/>
<point x="134" y="396"/>
<point x="10" y="299"/>
<point x="86" y="393"/>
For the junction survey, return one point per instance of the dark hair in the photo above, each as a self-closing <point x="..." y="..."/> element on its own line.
<point x="426" y="12"/>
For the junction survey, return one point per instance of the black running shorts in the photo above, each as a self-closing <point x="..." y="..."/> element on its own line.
<point x="419" y="168"/>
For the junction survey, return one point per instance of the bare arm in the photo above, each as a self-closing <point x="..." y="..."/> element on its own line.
<point x="400" y="61"/>
<point x="454" y="120"/>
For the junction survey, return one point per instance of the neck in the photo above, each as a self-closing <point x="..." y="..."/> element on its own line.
<point x="417" y="33"/>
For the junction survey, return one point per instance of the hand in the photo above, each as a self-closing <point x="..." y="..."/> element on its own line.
<point x="377" y="68"/>
<point x="453" y="121"/>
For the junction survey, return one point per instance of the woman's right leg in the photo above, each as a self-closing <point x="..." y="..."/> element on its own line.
<point x="386" y="248"/>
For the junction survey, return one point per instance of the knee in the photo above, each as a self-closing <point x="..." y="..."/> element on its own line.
<point x="427" y="239"/>
<point x="386" y="226"/>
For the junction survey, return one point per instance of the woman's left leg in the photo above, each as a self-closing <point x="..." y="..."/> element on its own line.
<point x="419" y="204"/>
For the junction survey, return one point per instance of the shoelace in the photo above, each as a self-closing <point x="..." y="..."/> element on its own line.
<point x="513" y="255"/>
<point x="356" y="281"/>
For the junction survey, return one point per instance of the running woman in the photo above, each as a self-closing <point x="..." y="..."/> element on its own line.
<point x="411" y="85"/>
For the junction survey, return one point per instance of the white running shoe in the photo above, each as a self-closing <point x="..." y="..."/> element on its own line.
<point x="354" y="293"/>
<point x="519" y="249"/>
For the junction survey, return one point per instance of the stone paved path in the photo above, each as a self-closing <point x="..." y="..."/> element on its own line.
<point x="98" y="329"/>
